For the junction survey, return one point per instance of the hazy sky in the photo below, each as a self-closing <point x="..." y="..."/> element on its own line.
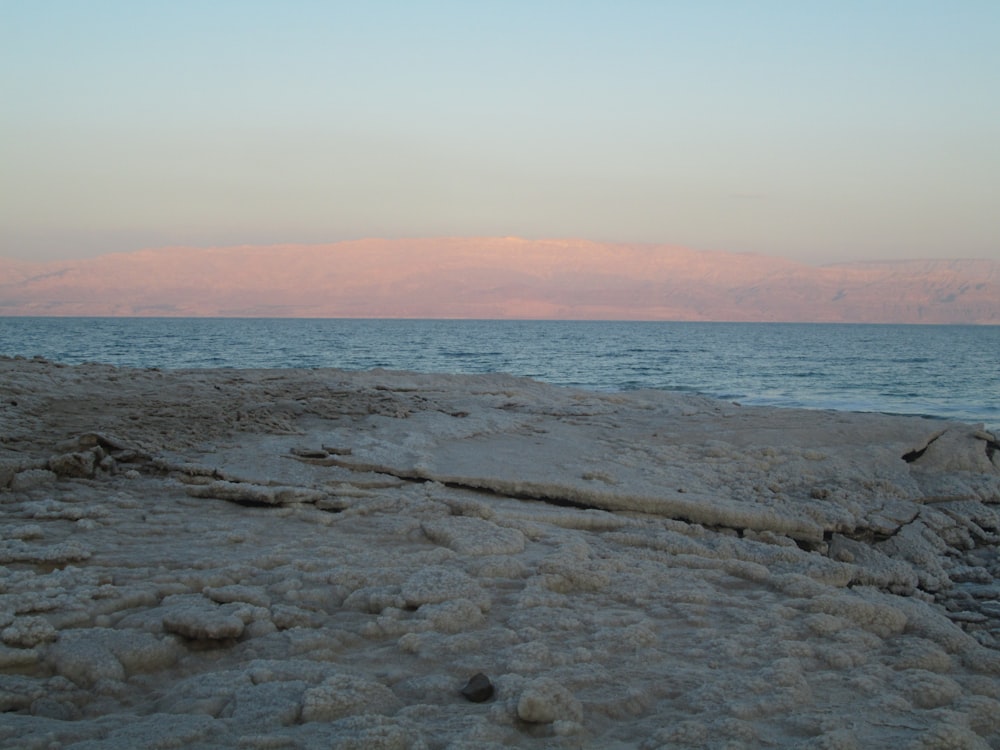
<point x="817" y="130"/>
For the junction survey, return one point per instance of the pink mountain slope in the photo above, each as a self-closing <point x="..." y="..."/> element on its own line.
<point x="500" y="278"/>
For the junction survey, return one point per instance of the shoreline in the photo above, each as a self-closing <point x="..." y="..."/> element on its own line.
<point x="903" y="370"/>
<point x="296" y="558"/>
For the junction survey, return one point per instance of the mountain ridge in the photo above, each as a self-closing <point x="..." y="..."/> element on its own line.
<point x="500" y="277"/>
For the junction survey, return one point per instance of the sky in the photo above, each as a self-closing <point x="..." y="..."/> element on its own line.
<point x="820" y="131"/>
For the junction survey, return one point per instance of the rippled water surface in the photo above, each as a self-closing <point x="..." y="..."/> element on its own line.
<point x="945" y="371"/>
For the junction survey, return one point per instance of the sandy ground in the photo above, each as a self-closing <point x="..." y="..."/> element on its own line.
<point x="316" y="558"/>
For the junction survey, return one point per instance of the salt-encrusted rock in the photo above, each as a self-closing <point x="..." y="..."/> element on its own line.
<point x="238" y="593"/>
<point x="922" y="654"/>
<point x="86" y="655"/>
<point x="161" y="730"/>
<point x="27" y="532"/>
<point x="267" y="705"/>
<point x="57" y="554"/>
<point x="867" y="607"/>
<point x="452" y="616"/>
<point x="27" y="632"/>
<point x="104" y="440"/>
<point x="31" y="478"/>
<point x="78" y="464"/>
<point x="288" y="669"/>
<point x="197" y="617"/>
<point x="344" y="695"/>
<point x="544" y="701"/>
<point x="246" y="493"/>
<point x="285" y="616"/>
<point x="990" y="609"/>
<point x="529" y="658"/>
<point x="8" y="469"/>
<point x="890" y="516"/>
<point x="14" y="657"/>
<point x="970" y="574"/>
<point x="931" y="622"/>
<point x="437" y="583"/>
<point x="872" y="567"/>
<point x="930" y="690"/>
<point x="474" y="536"/>
<point x="947" y="735"/>
<point x="478" y="689"/>
<point x="52" y="708"/>
<point x="373" y="732"/>
<point x="375" y="599"/>
<point x="85" y="661"/>
<point x="922" y="547"/>
<point x="17" y="692"/>
<point x="209" y="693"/>
<point x="962" y="448"/>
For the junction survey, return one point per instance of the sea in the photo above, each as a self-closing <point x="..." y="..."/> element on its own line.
<point x="948" y="372"/>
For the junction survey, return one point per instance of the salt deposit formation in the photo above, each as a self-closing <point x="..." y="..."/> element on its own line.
<point x="319" y="558"/>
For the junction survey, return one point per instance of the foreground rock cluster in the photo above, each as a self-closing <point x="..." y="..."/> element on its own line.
<point x="318" y="558"/>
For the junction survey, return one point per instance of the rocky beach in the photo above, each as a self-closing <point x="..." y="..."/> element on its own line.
<point x="324" y="558"/>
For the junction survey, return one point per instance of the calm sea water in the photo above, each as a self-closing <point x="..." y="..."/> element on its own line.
<point x="942" y="371"/>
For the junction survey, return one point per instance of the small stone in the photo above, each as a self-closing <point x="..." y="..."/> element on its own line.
<point x="478" y="689"/>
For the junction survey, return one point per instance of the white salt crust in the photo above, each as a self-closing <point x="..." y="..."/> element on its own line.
<point x="307" y="559"/>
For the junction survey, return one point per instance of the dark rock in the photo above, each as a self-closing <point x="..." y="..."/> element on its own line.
<point x="478" y="689"/>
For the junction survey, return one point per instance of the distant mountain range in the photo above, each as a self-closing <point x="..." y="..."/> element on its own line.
<point x="462" y="277"/>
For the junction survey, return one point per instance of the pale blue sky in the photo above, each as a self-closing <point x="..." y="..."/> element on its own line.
<point x="819" y="131"/>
